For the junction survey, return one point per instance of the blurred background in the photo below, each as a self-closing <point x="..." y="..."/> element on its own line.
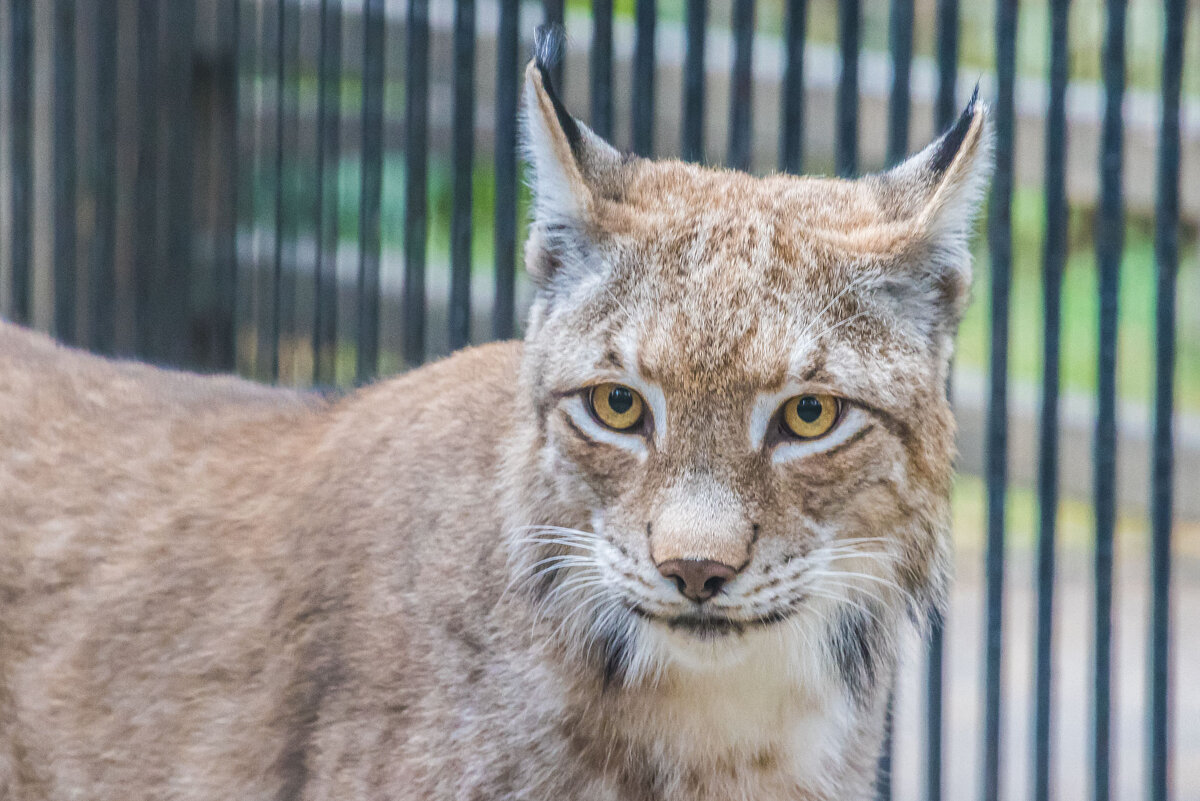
<point x="318" y="192"/>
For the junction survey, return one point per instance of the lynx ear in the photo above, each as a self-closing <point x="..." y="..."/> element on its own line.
<point x="939" y="190"/>
<point x="567" y="161"/>
<point x="952" y="174"/>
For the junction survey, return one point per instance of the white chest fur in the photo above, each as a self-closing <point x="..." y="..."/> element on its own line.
<point x="765" y="720"/>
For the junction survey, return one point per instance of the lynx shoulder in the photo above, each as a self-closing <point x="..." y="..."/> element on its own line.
<point x="665" y="548"/>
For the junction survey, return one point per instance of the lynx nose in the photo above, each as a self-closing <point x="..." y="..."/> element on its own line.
<point x="697" y="579"/>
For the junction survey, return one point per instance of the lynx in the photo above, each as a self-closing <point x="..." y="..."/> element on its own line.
<point x="664" y="549"/>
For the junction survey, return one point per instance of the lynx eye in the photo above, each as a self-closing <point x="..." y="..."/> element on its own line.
<point x="616" y="405"/>
<point x="811" y="416"/>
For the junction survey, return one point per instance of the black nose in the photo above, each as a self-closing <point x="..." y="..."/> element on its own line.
<point x="697" y="579"/>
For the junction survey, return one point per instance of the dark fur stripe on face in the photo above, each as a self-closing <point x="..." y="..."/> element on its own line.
<point x="858" y="643"/>
<point x="615" y="649"/>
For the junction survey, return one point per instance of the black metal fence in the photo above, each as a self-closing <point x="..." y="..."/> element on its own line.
<point x="198" y="216"/>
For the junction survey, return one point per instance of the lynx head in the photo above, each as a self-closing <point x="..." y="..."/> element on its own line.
<point x="738" y="386"/>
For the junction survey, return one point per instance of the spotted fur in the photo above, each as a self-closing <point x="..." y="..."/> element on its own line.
<point x="444" y="586"/>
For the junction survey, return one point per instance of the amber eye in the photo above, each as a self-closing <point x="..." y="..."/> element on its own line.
<point x="811" y="416"/>
<point x="616" y="405"/>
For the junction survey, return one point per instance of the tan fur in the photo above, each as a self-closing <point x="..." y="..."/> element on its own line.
<point x="443" y="587"/>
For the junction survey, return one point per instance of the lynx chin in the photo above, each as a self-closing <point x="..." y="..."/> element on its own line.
<point x="664" y="549"/>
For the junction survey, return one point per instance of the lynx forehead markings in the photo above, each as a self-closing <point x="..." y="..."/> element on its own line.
<point x="455" y="583"/>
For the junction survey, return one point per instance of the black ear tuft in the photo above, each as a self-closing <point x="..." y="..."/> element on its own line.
<point x="549" y="41"/>
<point x="952" y="140"/>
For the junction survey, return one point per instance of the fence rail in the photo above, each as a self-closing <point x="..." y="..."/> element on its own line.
<point x="203" y="159"/>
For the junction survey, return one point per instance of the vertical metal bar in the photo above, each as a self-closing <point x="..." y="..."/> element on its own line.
<point x="290" y="179"/>
<point x="505" y="228"/>
<point x="1109" y="243"/>
<point x="692" y="144"/>
<point x="370" y="191"/>
<point x="947" y="61"/>
<point x="1053" y="261"/>
<point x="601" y="68"/>
<point x="791" y="135"/>
<point x="175" y="298"/>
<point x="145" y="271"/>
<point x="416" y="160"/>
<point x="1000" y="244"/>
<point x="102" y="277"/>
<point x="741" y="85"/>
<point x="552" y="11"/>
<point x="463" y="159"/>
<point x="900" y="37"/>
<point x="275" y="321"/>
<point x="934" y="680"/>
<point x="883" y="770"/>
<point x="643" y="79"/>
<point x="329" y="120"/>
<point x="282" y="321"/>
<point x="1166" y="251"/>
<point x="946" y="104"/>
<point x="226" y="253"/>
<point x="846" y="148"/>
<point x="65" y="233"/>
<point x="265" y="317"/>
<point x="20" y="76"/>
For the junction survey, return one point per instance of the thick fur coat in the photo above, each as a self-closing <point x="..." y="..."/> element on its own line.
<point x="455" y="584"/>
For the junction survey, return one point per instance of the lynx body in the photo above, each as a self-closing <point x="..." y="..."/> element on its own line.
<point x="475" y="581"/>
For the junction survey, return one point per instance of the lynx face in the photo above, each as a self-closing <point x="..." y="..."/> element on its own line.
<point x="739" y="386"/>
